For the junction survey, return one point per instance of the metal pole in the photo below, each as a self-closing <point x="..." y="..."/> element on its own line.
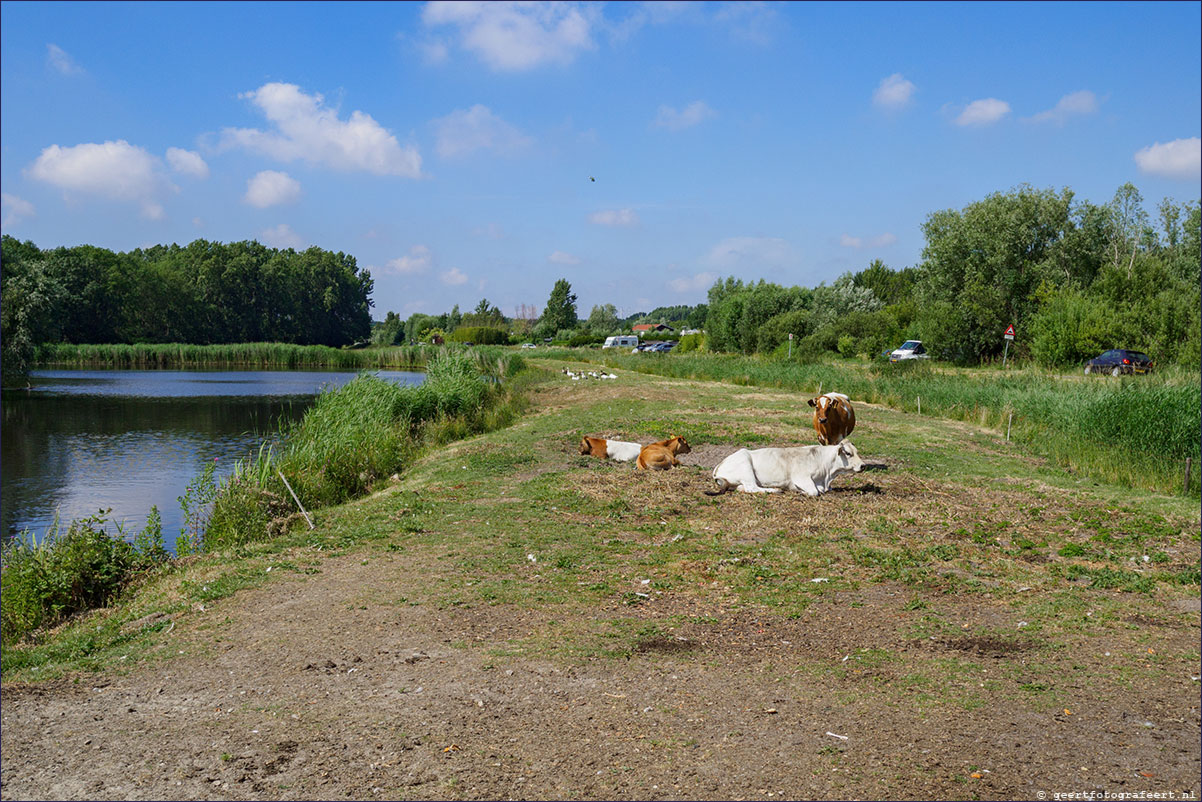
<point x="1005" y="351"/>
<point x="1009" y="420"/>
<point x="919" y="405"/>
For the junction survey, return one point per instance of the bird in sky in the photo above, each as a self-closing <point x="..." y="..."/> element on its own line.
<point x="590" y="178"/>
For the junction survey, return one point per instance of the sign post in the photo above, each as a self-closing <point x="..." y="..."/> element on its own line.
<point x="790" y="345"/>
<point x="1009" y="335"/>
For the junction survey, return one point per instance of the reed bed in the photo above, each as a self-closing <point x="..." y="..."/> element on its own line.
<point x="234" y="355"/>
<point x="1135" y="431"/>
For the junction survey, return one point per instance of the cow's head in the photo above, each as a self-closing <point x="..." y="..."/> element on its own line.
<point x="678" y="445"/>
<point x="586" y="446"/>
<point x="850" y="458"/>
<point x="820" y="404"/>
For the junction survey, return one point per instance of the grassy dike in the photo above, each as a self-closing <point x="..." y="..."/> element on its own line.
<point x="612" y="562"/>
<point x="1135" y="431"/>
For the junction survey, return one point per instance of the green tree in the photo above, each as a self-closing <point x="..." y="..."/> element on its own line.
<point x="604" y="319"/>
<point x="560" y="312"/>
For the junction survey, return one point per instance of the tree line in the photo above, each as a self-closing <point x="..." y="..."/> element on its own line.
<point x="201" y="293"/>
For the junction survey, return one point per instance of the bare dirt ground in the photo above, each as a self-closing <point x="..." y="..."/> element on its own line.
<point x="316" y="688"/>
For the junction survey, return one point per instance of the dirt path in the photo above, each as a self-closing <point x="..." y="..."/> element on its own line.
<point x="333" y="685"/>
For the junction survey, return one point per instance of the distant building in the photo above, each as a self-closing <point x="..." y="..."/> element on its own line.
<point x="643" y="328"/>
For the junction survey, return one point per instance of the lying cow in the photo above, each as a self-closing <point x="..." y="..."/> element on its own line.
<point x="662" y="455"/>
<point x="807" y="469"/>
<point x="610" y="449"/>
<point x="833" y="418"/>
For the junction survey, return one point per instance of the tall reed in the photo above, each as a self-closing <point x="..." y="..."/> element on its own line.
<point x="239" y="355"/>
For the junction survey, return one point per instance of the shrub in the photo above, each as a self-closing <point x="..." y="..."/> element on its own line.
<point x="480" y="335"/>
<point x="64" y="573"/>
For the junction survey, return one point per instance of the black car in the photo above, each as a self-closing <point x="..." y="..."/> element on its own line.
<point x="1119" y="361"/>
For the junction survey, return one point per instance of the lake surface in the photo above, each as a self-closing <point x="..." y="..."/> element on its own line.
<point x="83" y="440"/>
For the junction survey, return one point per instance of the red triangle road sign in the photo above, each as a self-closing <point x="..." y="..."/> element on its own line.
<point x="1010" y="331"/>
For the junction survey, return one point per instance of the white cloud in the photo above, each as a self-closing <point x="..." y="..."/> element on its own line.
<point x="894" y="93"/>
<point x="60" y="61"/>
<point x="1071" y="105"/>
<point x="563" y="258"/>
<point x="614" y="217"/>
<point x="1180" y="158"/>
<point x="187" y="162"/>
<point x="416" y="261"/>
<point x="880" y="241"/>
<point x="466" y="130"/>
<point x="690" y="115"/>
<point x="701" y="281"/>
<point x="761" y="251"/>
<point x="114" y="170"/>
<point x="516" y="36"/>
<point x="307" y="130"/>
<point x="14" y="209"/>
<point x="983" y="112"/>
<point x="282" y="236"/>
<point x="453" y="277"/>
<point x="271" y="188"/>
<point x="752" y="22"/>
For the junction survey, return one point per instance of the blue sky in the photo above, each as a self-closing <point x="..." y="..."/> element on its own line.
<point x="449" y="147"/>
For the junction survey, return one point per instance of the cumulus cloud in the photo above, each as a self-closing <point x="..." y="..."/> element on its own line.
<point x="894" y="93"/>
<point x="305" y="129"/>
<point x="515" y="36"/>
<point x="741" y="251"/>
<point x="614" y="217"/>
<point x="282" y="236"/>
<point x="563" y="258"/>
<point x="416" y="261"/>
<point x="880" y="241"/>
<point x="13" y="209"/>
<point x="114" y="170"/>
<point x="1177" y="159"/>
<point x="1072" y="105"/>
<point x="690" y="115"/>
<point x="271" y="188"/>
<point x="453" y="277"/>
<point x="187" y="162"/>
<point x="467" y="130"/>
<point x="983" y="112"/>
<point x="700" y="281"/>
<point x="57" y="58"/>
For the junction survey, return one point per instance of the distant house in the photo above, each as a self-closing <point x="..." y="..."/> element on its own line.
<point x="643" y="328"/>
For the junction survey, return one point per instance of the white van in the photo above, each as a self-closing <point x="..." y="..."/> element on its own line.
<point x="622" y="341"/>
<point x="911" y="349"/>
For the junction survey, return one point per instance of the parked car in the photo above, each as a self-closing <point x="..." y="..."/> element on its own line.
<point x="1119" y="361"/>
<point x="529" y="345"/>
<point x="910" y="349"/>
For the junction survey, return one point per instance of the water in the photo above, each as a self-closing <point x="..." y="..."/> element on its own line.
<point x="83" y="440"/>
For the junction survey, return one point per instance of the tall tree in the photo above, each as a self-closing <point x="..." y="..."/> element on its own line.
<point x="560" y="313"/>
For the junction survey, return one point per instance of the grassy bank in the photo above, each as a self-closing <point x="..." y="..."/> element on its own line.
<point x="1135" y="431"/>
<point x="598" y="561"/>
<point x="234" y="355"/>
<point x="349" y="441"/>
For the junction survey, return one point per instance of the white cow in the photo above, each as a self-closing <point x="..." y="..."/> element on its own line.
<point x="807" y="469"/>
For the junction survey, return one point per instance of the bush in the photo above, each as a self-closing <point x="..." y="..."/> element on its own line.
<point x="691" y="342"/>
<point x="479" y="335"/>
<point x="65" y="573"/>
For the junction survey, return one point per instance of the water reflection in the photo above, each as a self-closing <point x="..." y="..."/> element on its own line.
<point x="79" y="441"/>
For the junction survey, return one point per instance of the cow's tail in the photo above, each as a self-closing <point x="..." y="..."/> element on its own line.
<point x="723" y="486"/>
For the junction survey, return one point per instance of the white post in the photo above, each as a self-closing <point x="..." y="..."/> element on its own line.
<point x="297" y="500"/>
<point x="919" y="405"/>
<point x="1009" y="420"/>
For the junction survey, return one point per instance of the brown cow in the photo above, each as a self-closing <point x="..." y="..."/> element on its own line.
<point x="610" y="449"/>
<point x="834" y="418"/>
<point x="662" y="455"/>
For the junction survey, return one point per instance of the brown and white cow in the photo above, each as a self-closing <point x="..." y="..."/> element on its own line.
<point x="834" y="418"/>
<point x="610" y="449"/>
<point x="662" y="455"/>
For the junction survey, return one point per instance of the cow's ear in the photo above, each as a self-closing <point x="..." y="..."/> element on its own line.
<point x="812" y="402"/>
<point x="844" y="448"/>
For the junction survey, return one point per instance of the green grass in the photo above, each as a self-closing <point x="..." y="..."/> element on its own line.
<point x="240" y="355"/>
